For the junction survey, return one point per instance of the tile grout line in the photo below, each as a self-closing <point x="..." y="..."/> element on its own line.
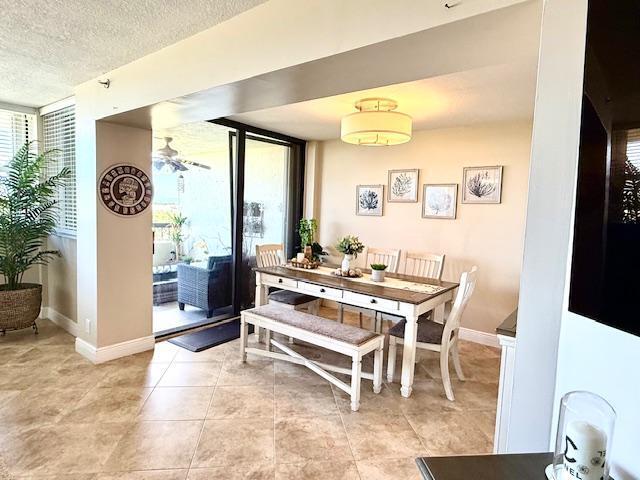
<point x="346" y="434"/>
<point x="416" y="432"/>
<point x="274" y="461"/>
<point x="155" y="386"/>
<point x="204" y="421"/>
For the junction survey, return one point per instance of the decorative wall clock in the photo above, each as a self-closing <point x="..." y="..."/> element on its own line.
<point x="125" y="189"/>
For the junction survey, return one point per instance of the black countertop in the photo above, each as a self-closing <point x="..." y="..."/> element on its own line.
<point x="528" y="466"/>
<point x="509" y="326"/>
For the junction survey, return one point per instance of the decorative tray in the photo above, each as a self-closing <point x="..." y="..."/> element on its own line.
<point x="352" y="273"/>
<point x="307" y="265"/>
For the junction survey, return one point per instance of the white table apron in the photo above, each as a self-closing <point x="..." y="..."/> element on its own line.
<point x="404" y="309"/>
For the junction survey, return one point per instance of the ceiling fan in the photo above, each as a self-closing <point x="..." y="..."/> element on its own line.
<point x="167" y="157"/>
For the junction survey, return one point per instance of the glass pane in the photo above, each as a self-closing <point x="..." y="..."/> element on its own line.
<point x="266" y="205"/>
<point x="192" y="261"/>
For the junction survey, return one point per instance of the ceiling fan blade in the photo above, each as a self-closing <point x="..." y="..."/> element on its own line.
<point x="195" y="164"/>
<point x="178" y="166"/>
<point x="158" y="164"/>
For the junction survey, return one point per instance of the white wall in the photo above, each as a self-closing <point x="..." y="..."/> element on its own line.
<point x="603" y="360"/>
<point x="552" y="177"/>
<point x="124" y="247"/>
<point x="61" y="278"/>
<point x="490" y="236"/>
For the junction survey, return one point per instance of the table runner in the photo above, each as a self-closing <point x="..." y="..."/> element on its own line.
<point x="388" y="282"/>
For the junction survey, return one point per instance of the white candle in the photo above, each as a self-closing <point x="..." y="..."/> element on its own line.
<point x="585" y="451"/>
<point x="300" y="257"/>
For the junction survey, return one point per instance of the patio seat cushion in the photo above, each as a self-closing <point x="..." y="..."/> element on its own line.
<point x="291" y="298"/>
<point x="312" y="323"/>
<point x="428" y="332"/>
<point x="214" y="260"/>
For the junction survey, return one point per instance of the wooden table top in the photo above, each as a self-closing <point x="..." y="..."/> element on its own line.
<point x="529" y="466"/>
<point x="405" y="296"/>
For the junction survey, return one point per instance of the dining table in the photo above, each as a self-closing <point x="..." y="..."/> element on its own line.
<point x="399" y="295"/>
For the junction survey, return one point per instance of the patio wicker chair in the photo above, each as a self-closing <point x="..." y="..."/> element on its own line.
<point x="205" y="287"/>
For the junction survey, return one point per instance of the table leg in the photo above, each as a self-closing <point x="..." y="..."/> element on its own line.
<point x="438" y="313"/>
<point x="409" y="354"/>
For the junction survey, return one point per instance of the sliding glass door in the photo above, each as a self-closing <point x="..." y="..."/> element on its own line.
<point x="267" y="176"/>
<point x="192" y="228"/>
<point x="221" y="188"/>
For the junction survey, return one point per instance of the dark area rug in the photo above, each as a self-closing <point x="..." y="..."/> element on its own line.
<point x="209" y="337"/>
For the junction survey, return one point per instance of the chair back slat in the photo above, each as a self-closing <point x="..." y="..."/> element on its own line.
<point x="426" y="265"/>
<point x="389" y="257"/>
<point x="465" y="290"/>
<point x="270" y="255"/>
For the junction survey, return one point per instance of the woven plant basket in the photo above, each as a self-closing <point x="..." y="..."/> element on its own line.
<point x="20" y="308"/>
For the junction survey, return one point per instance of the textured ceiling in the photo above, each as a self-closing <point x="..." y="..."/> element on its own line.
<point x="46" y="48"/>
<point x="490" y="94"/>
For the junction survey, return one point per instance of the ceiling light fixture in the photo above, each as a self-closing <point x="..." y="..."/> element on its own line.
<point x="376" y="124"/>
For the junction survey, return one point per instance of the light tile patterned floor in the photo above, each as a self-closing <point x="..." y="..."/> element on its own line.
<point x="176" y="415"/>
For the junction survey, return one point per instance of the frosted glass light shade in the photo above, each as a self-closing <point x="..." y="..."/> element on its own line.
<point x="376" y="128"/>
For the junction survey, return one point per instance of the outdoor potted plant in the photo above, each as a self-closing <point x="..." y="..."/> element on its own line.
<point x="350" y="246"/>
<point x="377" y="272"/>
<point x="307" y="229"/>
<point x="177" y="222"/>
<point x="27" y="217"/>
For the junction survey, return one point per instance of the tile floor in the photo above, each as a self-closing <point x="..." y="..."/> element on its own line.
<point x="176" y="415"/>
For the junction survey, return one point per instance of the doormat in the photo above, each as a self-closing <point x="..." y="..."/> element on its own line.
<point x="209" y="337"/>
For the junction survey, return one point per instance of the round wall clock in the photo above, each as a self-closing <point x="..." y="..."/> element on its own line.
<point x="125" y="190"/>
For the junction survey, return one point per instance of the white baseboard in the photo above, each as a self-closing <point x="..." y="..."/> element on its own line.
<point x="59" y="319"/>
<point x="117" y="350"/>
<point x="476" y="336"/>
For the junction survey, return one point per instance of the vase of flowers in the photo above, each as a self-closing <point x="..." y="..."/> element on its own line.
<point x="351" y="246"/>
<point x="377" y="272"/>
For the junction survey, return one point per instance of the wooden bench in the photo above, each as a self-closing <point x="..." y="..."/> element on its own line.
<point x="345" y="339"/>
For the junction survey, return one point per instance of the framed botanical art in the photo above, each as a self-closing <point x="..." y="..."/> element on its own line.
<point x="369" y="199"/>
<point x="403" y="185"/>
<point x="439" y="200"/>
<point x="482" y="184"/>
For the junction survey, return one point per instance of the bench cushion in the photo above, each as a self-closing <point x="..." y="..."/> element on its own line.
<point x="291" y="298"/>
<point x="312" y="323"/>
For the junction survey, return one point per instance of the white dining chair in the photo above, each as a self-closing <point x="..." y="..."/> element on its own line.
<point x="417" y="264"/>
<point x="437" y="337"/>
<point x="388" y="257"/>
<point x="425" y="265"/>
<point x="272" y="255"/>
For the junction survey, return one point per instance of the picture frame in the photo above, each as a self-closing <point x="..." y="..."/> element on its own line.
<point x="482" y="184"/>
<point x="369" y="200"/>
<point x="403" y="185"/>
<point x="440" y="200"/>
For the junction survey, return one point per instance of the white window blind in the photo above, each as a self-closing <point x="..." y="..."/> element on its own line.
<point x="15" y="129"/>
<point x="633" y="147"/>
<point x="59" y="132"/>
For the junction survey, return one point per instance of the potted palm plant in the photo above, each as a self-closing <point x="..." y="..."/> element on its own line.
<point x="27" y="217"/>
<point x="177" y="222"/>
